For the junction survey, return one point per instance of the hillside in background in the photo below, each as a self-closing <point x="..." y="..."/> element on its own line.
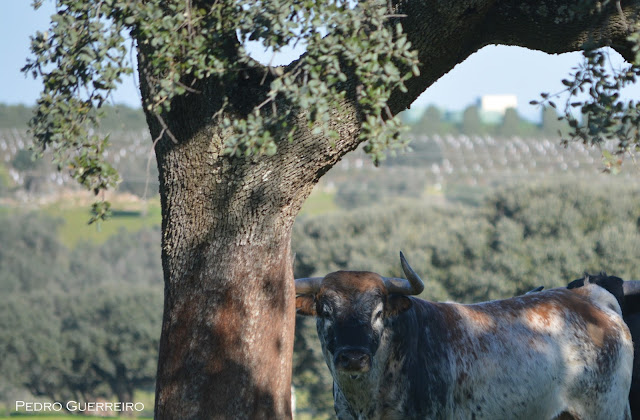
<point x="119" y="117"/>
<point x="483" y="213"/>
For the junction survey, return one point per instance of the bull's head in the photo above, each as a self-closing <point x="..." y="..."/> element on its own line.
<point x="351" y="308"/>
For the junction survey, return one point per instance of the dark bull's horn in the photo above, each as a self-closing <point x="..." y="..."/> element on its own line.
<point x="413" y="285"/>
<point x="308" y="285"/>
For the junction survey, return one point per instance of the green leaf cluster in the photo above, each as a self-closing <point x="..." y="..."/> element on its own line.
<point x="594" y="108"/>
<point x="80" y="60"/>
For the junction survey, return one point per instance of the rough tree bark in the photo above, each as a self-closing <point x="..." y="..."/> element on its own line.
<point x="227" y="334"/>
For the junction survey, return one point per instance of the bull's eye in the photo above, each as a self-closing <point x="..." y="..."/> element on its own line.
<point x="378" y="311"/>
<point x="324" y="310"/>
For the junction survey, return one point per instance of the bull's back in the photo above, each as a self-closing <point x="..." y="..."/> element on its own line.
<point x="538" y="356"/>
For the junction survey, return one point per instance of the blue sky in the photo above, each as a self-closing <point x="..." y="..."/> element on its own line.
<point x="493" y="70"/>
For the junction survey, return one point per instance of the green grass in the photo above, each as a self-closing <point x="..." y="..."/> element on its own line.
<point x="76" y="228"/>
<point x="132" y="217"/>
<point x="319" y="202"/>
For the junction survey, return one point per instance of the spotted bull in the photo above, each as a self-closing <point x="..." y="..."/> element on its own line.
<point x="558" y="354"/>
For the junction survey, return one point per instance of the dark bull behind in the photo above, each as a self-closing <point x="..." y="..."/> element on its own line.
<point x="627" y="293"/>
<point x="549" y="355"/>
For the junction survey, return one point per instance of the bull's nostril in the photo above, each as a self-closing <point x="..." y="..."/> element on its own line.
<point x="353" y="360"/>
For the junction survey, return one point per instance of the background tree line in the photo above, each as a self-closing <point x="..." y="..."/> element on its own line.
<point x="131" y="150"/>
<point x="84" y="322"/>
<point x="116" y="117"/>
<point x="432" y="121"/>
<point x="436" y="121"/>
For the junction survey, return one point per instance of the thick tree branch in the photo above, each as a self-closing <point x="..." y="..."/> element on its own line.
<point x="445" y="34"/>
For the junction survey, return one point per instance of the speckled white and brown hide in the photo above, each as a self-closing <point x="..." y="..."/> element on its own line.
<point x="559" y="354"/>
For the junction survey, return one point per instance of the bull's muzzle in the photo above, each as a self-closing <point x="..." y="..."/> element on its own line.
<point x="352" y="360"/>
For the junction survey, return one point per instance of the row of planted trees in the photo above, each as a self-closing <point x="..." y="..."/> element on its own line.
<point x="85" y="322"/>
<point x="131" y="145"/>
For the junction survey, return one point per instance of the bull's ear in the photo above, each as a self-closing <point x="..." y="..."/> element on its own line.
<point x="397" y="304"/>
<point x="306" y="305"/>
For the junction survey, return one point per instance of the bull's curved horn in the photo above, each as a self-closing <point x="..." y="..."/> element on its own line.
<point x="308" y="285"/>
<point x="413" y="285"/>
<point x="631" y="287"/>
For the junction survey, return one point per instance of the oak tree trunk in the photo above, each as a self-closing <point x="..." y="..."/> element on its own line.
<point x="227" y="335"/>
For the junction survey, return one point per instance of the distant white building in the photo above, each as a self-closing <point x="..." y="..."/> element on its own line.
<point x="493" y="107"/>
<point x="498" y="103"/>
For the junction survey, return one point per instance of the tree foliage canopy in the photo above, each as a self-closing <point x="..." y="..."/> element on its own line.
<point x="83" y="56"/>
